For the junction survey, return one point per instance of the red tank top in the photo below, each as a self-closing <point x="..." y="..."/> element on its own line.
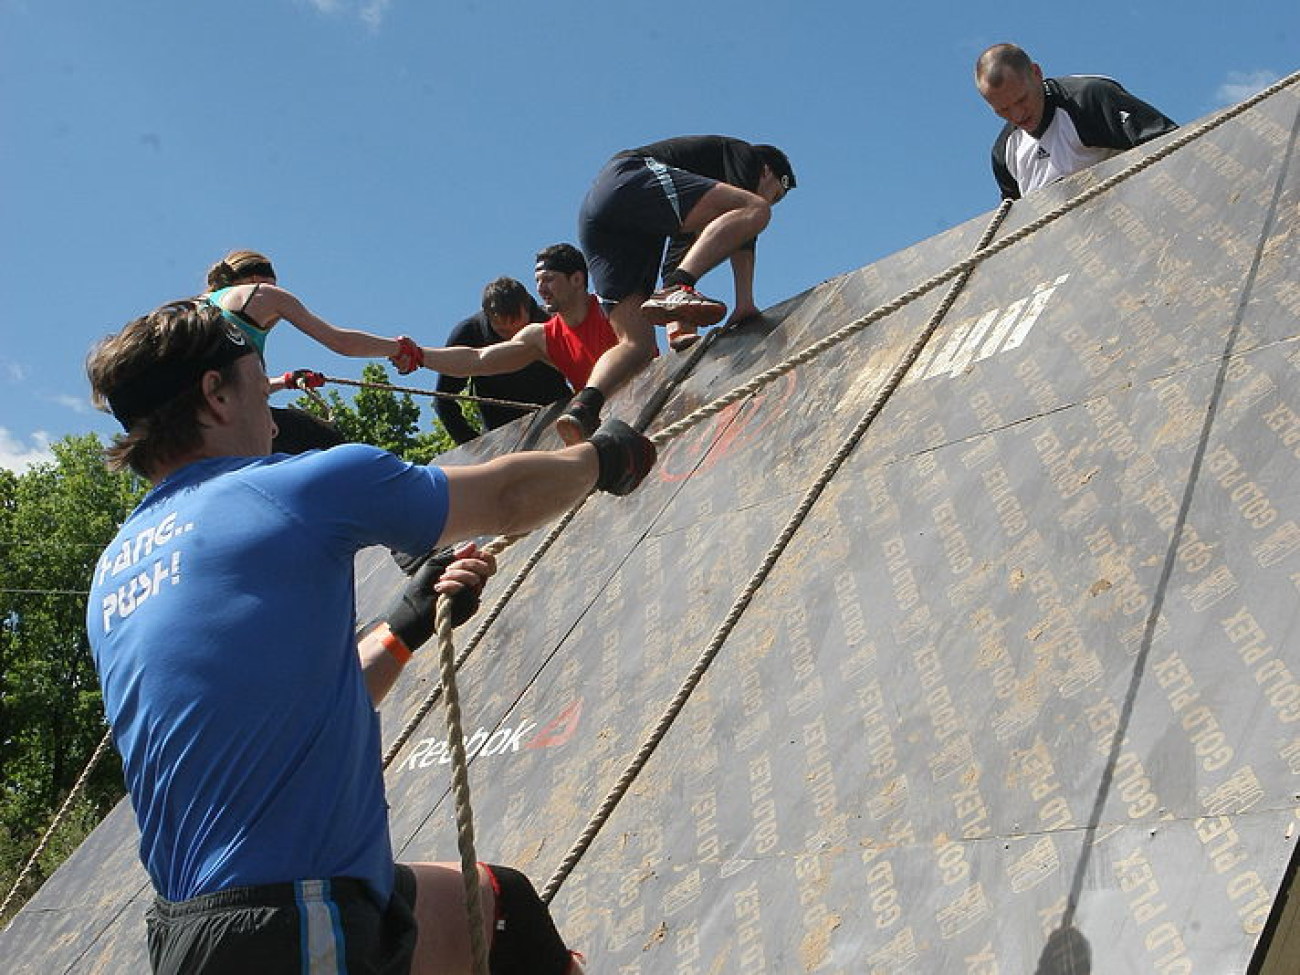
<point x="574" y="351"/>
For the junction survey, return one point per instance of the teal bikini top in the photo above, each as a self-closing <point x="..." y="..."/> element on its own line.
<point x="240" y="318"/>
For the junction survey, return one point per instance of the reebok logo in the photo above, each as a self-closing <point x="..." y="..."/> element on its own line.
<point x="484" y="742"/>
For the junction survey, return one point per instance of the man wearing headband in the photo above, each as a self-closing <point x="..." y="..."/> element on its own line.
<point x="708" y="197"/>
<point x="572" y="340"/>
<point x="223" y="627"/>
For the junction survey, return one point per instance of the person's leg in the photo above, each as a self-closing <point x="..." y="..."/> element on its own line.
<point x="680" y="335"/>
<point x="442" y="946"/>
<point x="725" y="218"/>
<point x="634" y="350"/>
<point x="622" y="259"/>
<point x="520" y="933"/>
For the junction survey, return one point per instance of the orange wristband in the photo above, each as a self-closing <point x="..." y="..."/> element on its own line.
<point x="394" y="645"/>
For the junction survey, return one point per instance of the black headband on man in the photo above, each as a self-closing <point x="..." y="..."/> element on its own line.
<point x="566" y="261"/>
<point x="162" y="382"/>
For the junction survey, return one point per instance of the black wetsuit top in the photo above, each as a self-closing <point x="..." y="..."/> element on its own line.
<point x="535" y="383"/>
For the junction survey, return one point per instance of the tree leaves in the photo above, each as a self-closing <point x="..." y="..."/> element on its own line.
<point x="383" y="418"/>
<point x="54" y="520"/>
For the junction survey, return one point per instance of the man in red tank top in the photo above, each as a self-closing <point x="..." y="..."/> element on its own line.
<point x="576" y="335"/>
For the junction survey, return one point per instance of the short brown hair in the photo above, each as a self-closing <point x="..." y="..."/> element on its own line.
<point x="563" y="259"/>
<point x="995" y="65"/>
<point x="505" y="298"/>
<point x="148" y="375"/>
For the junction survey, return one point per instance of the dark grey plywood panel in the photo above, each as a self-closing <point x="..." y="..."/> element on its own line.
<point x="1021" y="695"/>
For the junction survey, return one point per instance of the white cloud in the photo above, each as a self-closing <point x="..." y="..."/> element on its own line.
<point x="11" y="371"/>
<point x="373" y="11"/>
<point x="77" y="404"/>
<point x="1241" y="85"/>
<point x="369" y="12"/>
<point x="17" y="456"/>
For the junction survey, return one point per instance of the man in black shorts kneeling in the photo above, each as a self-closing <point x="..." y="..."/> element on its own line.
<point x="710" y="197"/>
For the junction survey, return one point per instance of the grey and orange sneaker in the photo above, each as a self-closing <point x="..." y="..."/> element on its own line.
<point x="682" y="303"/>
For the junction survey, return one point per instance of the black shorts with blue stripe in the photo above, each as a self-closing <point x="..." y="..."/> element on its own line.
<point x="634" y="205"/>
<point x="309" y="927"/>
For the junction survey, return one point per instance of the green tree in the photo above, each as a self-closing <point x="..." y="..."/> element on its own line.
<point x="379" y="416"/>
<point x="55" y="518"/>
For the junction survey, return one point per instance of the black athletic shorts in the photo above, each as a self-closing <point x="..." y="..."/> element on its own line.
<point x="632" y="208"/>
<point x="302" y="928"/>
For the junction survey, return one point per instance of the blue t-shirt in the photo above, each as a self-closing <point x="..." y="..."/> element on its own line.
<point x="222" y="620"/>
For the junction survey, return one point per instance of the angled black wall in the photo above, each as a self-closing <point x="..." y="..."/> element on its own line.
<point x="1023" y="693"/>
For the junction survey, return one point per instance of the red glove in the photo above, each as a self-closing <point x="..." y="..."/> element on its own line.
<point x="303" y="379"/>
<point x="409" y="357"/>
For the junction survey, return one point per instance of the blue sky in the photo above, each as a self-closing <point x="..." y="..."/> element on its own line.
<point x="391" y="156"/>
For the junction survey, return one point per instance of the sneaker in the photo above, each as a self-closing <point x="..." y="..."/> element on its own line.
<point x="681" y="303"/>
<point x="681" y="337"/>
<point x="577" y="423"/>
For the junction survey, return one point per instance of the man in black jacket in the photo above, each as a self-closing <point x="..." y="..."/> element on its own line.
<point x="507" y="308"/>
<point x="1057" y="126"/>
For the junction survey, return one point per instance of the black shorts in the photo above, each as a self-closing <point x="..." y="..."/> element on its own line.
<point x="632" y="208"/>
<point x="325" y="926"/>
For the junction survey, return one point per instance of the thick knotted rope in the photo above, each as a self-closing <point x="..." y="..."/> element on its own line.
<point x="59" y="816"/>
<point x="436" y="393"/>
<point x="460" y="787"/>
<point x="768" y="562"/>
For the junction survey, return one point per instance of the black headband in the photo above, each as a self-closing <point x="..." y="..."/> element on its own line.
<point x="162" y="382"/>
<point x="260" y="269"/>
<point x="558" y="263"/>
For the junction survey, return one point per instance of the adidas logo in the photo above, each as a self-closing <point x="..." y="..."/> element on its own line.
<point x="1042" y="153"/>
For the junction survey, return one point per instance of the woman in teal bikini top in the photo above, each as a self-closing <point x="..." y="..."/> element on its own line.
<point x="243" y="285"/>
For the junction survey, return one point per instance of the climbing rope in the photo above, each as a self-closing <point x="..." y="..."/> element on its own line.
<point x="460" y="787"/>
<point x="77" y="786"/>
<point x="436" y="393"/>
<point x="450" y="663"/>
